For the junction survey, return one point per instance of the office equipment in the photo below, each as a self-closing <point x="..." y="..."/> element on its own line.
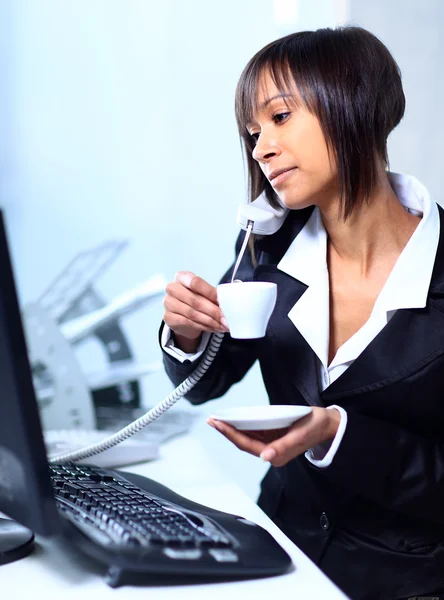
<point x="129" y="523"/>
<point x="265" y="219"/>
<point x="135" y="526"/>
<point x="185" y="466"/>
<point x="139" y="447"/>
<point x="16" y="541"/>
<point x="76" y="330"/>
<point x="70" y="312"/>
<point x="171" y="424"/>
<point x="61" y="388"/>
<point x="129" y="452"/>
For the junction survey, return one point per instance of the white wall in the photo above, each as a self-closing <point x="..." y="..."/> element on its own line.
<point x="413" y="32"/>
<point x="121" y="124"/>
<point x="6" y="91"/>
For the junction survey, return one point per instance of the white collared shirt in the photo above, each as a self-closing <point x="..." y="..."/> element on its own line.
<point x="406" y="287"/>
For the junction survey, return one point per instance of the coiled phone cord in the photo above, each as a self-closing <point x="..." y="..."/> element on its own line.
<point x="152" y="414"/>
<point x="158" y="410"/>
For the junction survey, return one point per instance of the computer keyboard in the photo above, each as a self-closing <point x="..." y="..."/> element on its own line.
<point x="147" y="528"/>
<point x="120" y="513"/>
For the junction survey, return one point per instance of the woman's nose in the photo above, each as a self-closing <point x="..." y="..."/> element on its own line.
<point x="265" y="150"/>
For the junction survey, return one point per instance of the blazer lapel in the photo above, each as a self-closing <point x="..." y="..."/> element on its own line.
<point x="411" y="339"/>
<point x="294" y="353"/>
<point x="291" y="350"/>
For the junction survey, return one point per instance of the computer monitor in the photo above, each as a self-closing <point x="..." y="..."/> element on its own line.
<point x="25" y="486"/>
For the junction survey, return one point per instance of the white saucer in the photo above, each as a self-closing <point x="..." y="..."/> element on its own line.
<point x="262" y="417"/>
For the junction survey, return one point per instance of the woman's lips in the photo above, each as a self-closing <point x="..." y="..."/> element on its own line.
<point x="277" y="181"/>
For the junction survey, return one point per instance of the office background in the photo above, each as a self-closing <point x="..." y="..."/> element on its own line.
<point x="117" y="122"/>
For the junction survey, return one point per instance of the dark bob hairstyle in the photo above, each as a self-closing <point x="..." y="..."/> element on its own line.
<point x="348" y="79"/>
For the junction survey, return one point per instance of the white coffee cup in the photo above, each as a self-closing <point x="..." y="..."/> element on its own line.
<point x="247" y="307"/>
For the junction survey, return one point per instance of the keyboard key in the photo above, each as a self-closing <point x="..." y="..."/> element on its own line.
<point x="126" y="514"/>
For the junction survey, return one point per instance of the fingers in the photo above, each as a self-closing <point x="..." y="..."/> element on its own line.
<point x="191" y="306"/>
<point x="280" y="446"/>
<point x="240" y="439"/>
<point x="306" y="433"/>
<point x="188" y="310"/>
<point x="269" y="435"/>
<point x="197" y="284"/>
<point x="286" y="448"/>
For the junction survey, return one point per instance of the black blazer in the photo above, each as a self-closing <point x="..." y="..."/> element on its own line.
<point x="374" y="519"/>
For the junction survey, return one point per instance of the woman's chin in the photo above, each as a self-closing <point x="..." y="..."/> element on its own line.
<point x="294" y="203"/>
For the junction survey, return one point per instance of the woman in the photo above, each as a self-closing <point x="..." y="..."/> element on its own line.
<point x="358" y="328"/>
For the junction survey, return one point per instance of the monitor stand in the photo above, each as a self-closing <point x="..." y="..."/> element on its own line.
<point x="16" y="541"/>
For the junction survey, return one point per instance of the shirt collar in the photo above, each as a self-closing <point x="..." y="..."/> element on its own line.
<point x="306" y="258"/>
<point x="409" y="282"/>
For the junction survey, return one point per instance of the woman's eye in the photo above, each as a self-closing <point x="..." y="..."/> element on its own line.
<point x="277" y="118"/>
<point x="280" y="117"/>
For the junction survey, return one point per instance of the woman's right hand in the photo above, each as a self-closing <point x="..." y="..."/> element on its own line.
<point x="191" y="308"/>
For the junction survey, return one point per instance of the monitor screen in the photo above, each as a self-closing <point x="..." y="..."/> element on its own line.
<point x="25" y="485"/>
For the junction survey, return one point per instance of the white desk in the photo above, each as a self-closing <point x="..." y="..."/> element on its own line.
<point x="49" y="573"/>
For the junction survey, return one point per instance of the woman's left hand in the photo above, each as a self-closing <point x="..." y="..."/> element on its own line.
<point x="279" y="446"/>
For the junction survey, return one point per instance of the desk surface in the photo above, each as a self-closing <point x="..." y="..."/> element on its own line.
<point x="49" y="573"/>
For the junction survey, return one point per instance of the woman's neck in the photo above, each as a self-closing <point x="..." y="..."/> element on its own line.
<point x="375" y="231"/>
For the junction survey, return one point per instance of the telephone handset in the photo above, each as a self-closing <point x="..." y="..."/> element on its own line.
<point x="257" y="217"/>
<point x="266" y="219"/>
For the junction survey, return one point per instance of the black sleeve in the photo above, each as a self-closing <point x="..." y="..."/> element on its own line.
<point x="234" y="358"/>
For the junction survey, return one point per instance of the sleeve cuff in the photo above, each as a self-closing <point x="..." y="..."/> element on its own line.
<point x="168" y="346"/>
<point x="322" y="456"/>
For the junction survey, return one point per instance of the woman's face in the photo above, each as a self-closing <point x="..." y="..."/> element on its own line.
<point x="289" y="138"/>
